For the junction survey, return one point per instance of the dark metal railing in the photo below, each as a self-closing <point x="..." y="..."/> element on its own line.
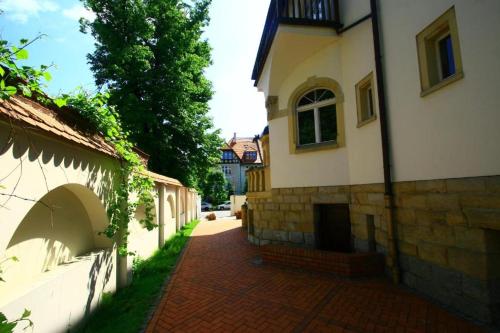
<point x="313" y="11"/>
<point x="295" y="12"/>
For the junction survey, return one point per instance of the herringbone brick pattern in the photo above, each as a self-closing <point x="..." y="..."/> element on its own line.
<point x="219" y="287"/>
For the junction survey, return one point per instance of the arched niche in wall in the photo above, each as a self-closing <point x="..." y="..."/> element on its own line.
<point x="170" y="207"/>
<point x="140" y="214"/>
<point x="63" y="225"/>
<point x="182" y="206"/>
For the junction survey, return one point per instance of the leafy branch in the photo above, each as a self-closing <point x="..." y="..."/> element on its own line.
<point x="15" y="79"/>
<point x="8" y="326"/>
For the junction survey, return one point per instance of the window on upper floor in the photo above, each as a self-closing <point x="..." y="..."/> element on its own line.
<point x="316" y="117"/>
<point x="250" y="156"/>
<point x="439" y="57"/>
<point x="365" y="101"/>
<point x="226" y="170"/>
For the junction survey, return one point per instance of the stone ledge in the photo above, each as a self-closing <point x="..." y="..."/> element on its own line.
<point x="351" y="265"/>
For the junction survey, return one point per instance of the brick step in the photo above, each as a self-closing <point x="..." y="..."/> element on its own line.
<point x="350" y="265"/>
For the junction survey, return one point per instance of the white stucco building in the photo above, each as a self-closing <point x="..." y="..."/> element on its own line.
<point x="383" y="136"/>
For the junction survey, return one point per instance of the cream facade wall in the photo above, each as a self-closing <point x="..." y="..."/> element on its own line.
<point x="142" y="241"/>
<point x="60" y="299"/>
<point x="452" y="132"/>
<point x="22" y="164"/>
<point x="55" y="229"/>
<point x="53" y="202"/>
<point x="236" y="202"/>
<point x="347" y="61"/>
<point x="61" y="241"/>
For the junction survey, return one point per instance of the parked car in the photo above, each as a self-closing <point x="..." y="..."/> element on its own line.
<point x="205" y="206"/>
<point x="225" y="206"/>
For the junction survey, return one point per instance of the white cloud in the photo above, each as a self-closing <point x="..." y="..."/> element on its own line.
<point x="22" y="10"/>
<point x="78" y="11"/>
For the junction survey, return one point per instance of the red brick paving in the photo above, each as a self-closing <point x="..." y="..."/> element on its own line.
<point x="217" y="287"/>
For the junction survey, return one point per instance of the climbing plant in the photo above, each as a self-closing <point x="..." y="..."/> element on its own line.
<point x="135" y="187"/>
<point x="106" y="121"/>
<point x="28" y="81"/>
<point x="7" y="326"/>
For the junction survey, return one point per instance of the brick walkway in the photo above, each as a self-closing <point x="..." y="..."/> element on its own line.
<point x="218" y="287"/>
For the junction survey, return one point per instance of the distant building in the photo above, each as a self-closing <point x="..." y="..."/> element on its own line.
<point x="238" y="155"/>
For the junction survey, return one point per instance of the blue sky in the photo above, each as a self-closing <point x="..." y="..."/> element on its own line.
<point x="234" y="34"/>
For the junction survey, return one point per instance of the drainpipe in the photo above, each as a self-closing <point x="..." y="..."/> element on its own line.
<point x="392" y="259"/>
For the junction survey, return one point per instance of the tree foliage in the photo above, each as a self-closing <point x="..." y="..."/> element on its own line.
<point x="151" y="56"/>
<point x="17" y="79"/>
<point x="215" y="187"/>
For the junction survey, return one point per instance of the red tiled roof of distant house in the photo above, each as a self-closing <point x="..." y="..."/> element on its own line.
<point x="242" y="145"/>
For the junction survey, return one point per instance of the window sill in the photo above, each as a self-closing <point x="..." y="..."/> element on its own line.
<point x="455" y="77"/>
<point x="316" y="147"/>
<point x="367" y="121"/>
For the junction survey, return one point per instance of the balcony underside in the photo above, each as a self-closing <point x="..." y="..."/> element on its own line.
<point x="303" y="15"/>
<point x="292" y="45"/>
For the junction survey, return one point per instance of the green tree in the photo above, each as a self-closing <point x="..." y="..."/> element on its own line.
<point x="215" y="187"/>
<point x="151" y="56"/>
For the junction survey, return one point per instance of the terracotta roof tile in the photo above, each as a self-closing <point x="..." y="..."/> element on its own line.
<point x="163" y="179"/>
<point x="26" y="111"/>
<point x="36" y="116"/>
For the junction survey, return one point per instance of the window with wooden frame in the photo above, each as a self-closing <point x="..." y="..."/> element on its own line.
<point x="440" y="61"/>
<point x="365" y="100"/>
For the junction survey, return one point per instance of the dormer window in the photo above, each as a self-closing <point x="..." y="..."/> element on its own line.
<point x="227" y="155"/>
<point x="250" y="156"/>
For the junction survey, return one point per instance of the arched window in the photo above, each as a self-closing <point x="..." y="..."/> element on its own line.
<point x="316" y="117"/>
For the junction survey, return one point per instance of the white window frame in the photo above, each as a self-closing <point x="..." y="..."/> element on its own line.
<point x="317" y="126"/>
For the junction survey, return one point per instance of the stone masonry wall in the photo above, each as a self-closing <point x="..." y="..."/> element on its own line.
<point x="286" y="215"/>
<point x="448" y="233"/>
<point x="449" y="242"/>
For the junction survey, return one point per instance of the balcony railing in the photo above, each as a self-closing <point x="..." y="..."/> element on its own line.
<point x="296" y="12"/>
